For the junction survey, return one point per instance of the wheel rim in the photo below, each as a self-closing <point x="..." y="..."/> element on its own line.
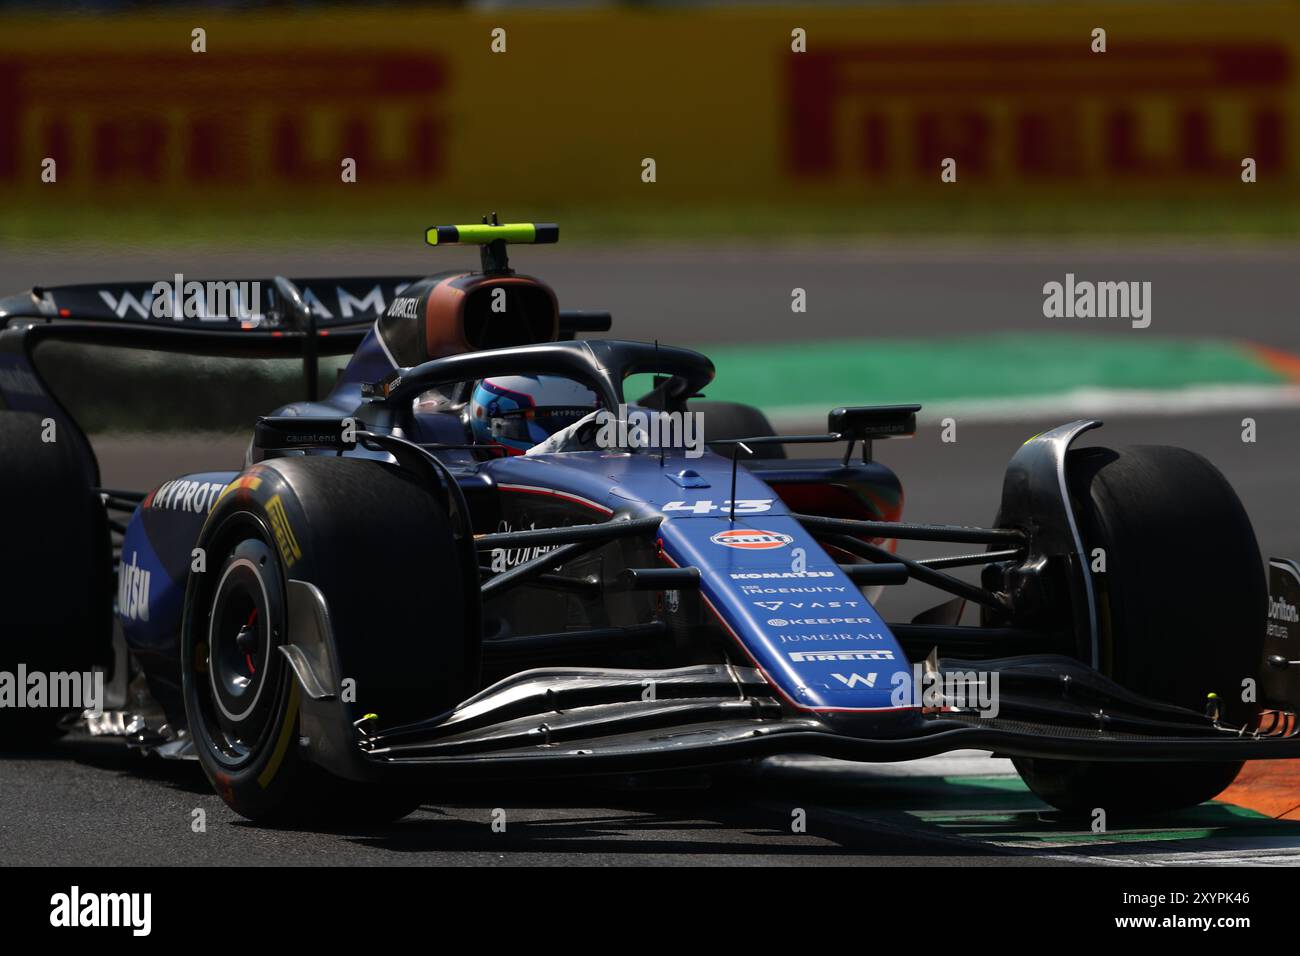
<point x="239" y="695"/>
<point x="239" y="639"/>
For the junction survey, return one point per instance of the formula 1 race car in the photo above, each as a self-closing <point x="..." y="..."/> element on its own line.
<point x="475" y="557"/>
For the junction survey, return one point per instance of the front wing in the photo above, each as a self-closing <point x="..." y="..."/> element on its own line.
<point x="581" y="721"/>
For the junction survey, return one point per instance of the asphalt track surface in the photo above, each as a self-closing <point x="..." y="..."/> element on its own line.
<point x="89" y="803"/>
<point x="700" y="294"/>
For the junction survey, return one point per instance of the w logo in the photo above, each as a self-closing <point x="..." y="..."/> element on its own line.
<point x="853" y="680"/>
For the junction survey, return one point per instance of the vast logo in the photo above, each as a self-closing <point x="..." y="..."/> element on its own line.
<point x="747" y="540"/>
<point x="889" y="113"/>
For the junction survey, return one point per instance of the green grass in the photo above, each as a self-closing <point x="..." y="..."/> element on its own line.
<point x="365" y="218"/>
<point x="1006" y="365"/>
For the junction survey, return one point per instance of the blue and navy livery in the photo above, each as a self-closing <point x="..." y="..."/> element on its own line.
<point x="788" y="606"/>
<point x="390" y="584"/>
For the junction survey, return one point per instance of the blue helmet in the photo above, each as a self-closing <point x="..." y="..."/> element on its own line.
<point x="519" y="411"/>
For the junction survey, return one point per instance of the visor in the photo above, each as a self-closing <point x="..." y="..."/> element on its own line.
<point x="535" y="424"/>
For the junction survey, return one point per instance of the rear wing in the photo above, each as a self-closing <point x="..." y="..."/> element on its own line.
<point x="239" y="319"/>
<point x="240" y="314"/>
<point x="271" y="318"/>
<point x="253" y="309"/>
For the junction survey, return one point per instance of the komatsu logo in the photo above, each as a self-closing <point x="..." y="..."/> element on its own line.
<point x="133" y="591"/>
<point x="764" y="575"/>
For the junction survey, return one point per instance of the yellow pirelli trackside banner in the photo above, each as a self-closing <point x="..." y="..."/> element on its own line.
<point x="569" y="105"/>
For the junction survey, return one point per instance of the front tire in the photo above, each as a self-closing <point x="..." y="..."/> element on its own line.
<point x="379" y="548"/>
<point x="1163" y="516"/>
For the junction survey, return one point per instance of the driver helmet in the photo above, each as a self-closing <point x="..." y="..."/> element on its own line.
<point x="517" y="412"/>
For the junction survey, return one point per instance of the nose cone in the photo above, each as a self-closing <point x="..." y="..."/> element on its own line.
<point x="792" y="612"/>
<point x="899" y="724"/>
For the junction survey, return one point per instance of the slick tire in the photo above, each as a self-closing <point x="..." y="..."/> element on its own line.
<point x="379" y="548"/>
<point x="1181" y="606"/>
<point x="55" y="566"/>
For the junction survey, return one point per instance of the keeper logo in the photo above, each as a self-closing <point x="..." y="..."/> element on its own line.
<point x="797" y="621"/>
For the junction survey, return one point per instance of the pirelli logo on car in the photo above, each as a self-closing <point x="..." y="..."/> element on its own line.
<point x="863" y="654"/>
<point x="284" y="538"/>
<point x="748" y="540"/>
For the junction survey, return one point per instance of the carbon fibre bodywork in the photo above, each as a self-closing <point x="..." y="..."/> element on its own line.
<point x="733" y="619"/>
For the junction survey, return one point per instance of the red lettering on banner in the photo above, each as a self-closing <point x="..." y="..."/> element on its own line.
<point x="1033" y="112"/>
<point x="129" y="119"/>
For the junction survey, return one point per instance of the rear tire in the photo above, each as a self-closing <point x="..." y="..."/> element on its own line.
<point x="379" y="548"/>
<point x="55" y="565"/>
<point x="734" y="420"/>
<point x="1161" y="515"/>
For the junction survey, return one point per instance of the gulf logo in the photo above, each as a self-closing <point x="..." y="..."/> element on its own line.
<point x="747" y="540"/>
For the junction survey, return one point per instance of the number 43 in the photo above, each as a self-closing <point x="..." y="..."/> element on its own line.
<point x="744" y="506"/>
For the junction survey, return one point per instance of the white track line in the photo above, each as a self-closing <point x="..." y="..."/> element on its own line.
<point x="1080" y="402"/>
